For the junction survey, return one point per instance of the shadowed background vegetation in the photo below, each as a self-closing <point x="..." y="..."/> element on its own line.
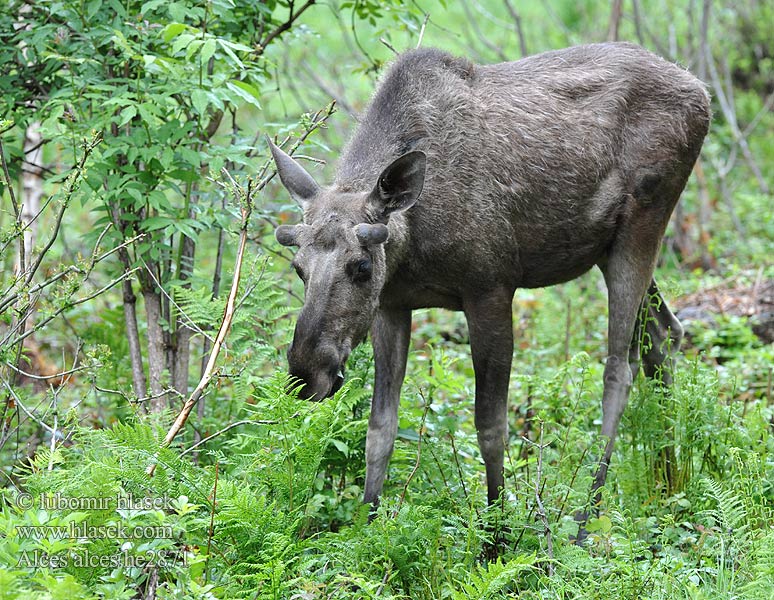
<point x="138" y="210"/>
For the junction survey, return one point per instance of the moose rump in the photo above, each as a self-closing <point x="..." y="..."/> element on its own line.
<point x="464" y="182"/>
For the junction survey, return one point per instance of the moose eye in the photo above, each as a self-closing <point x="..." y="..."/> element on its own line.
<point x="360" y="270"/>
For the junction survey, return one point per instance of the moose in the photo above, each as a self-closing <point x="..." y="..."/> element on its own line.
<point x="464" y="182"/>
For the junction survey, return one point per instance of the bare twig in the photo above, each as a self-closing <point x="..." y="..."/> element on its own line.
<point x="216" y="276"/>
<point x="52" y="446"/>
<point x="726" y="102"/>
<point x="385" y="579"/>
<point x="422" y="30"/>
<point x="14" y="204"/>
<point x="541" y="511"/>
<point x="186" y="319"/>
<point x="642" y="28"/>
<point x="229" y="428"/>
<point x="473" y="22"/>
<point x="461" y="476"/>
<point x="390" y="46"/>
<point x="69" y="188"/>
<point x="419" y="456"/>
<point x="283" y="27"/>
<point x="68" y="306"/>
<point x="517" y="25"/>
<point x="47" y="377"/>
<point x="245" y="201"/>
<point x="325" y="87"/>
<point x="71" y="269"/>
<point x="18" y="401"/>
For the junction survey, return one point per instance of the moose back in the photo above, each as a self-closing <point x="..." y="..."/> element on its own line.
<point x="464" y="182"/>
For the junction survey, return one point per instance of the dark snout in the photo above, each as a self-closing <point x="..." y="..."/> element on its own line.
<point x="320" y="372"/>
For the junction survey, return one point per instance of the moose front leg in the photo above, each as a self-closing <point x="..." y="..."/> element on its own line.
<point x="390" y="335"/>
<point x="491" y="341"/>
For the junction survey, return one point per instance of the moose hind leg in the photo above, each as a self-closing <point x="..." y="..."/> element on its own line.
<point x="627" y="271"/>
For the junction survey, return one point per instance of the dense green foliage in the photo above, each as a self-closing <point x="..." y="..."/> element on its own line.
<point x="153" y="115"/>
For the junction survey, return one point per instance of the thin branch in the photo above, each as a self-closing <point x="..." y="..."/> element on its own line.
<point x="47" y="377"/>
<point x="88" y="148"/>
<point x="211" y="529"/>
<point x="18" y="401"/>
<point x="283" y="27"/>
<point x="15" y="204"/>
<point x="726" y="106"/>
<point x="73" y="269"/>
<point x="422" y="30"/>
<point x="69" y="305"/>
<point x="615" y="21"/>
<point x="52" y="447"/>
<point x="541" y="511"/>
<point x="419" y="456"/>
<point x="323" y="85"/>
<point x="188" y="321"/>
<point x="473" y="22"/>
<point x="460" y="474"/>
<point x="229" y="428"/>
<point x="517" y="24"/>
<point x="389" y="46"/>
<point x="27" y="225"/>
<point x="245" y="200"/>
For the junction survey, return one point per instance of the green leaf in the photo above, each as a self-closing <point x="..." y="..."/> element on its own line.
<point x="208" y="49"/>
<point x="151" y="5"/>
<point x="408" y="434"/>
<point x="227" y="49"/>
<point x="341" y="447"/>
<point x="601" y="524"/>
<point x="182" y="42"/>
<point x="172" y="30"/>
<point x="127" y="115"/>
<point x="235" y="46"/>
<point x="186" y="229"/>
<point x="177" y="10"/>
<point x="200" y="100"/>
<point x="247" y="92"/>
<point x="155" y="223"/>
<point x="158" y="200"/>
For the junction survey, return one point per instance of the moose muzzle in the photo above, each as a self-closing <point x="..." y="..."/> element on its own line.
<point x="321" y="371"/>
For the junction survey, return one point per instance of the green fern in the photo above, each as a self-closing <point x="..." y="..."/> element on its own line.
<point x="198" y="305"/>
<point x="496" y="579"/>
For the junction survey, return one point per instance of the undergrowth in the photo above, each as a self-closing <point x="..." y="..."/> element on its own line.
<point x="271" y="508"/>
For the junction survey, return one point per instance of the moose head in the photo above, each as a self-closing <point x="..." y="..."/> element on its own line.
<point x="341" y="259"/>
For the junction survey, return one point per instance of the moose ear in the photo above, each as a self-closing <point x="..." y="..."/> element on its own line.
<point x="399" y="185"/>
<point x="293" y="176"/>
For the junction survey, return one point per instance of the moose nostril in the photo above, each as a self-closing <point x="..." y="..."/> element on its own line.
<point x="338" y="381"/>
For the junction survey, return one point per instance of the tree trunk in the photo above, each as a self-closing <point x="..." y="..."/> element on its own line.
<point x="156" y="350"/>
<point x="139" y="383"/>
<point x="183" y="331"/>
